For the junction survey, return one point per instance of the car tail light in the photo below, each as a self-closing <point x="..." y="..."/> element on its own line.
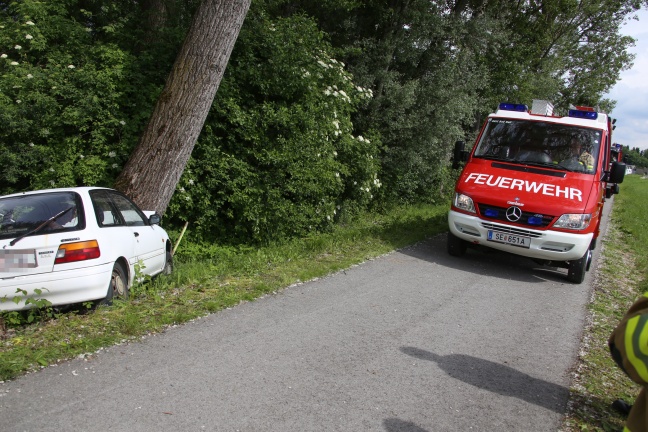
<point x="79" y="251"/>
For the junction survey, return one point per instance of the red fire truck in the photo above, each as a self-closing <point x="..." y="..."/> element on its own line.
<point x="535" y="184"/>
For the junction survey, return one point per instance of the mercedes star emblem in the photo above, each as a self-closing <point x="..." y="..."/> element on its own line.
<point x="513" y="213"/>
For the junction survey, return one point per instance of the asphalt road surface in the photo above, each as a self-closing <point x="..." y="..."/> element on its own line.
<point x="414" y="341"/>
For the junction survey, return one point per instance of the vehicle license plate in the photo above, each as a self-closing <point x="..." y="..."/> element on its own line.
<point x="17" y="259"/>
<point x="509" y="239"/>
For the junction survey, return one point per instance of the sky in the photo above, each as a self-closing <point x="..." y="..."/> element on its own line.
<point x="631" y="91"/>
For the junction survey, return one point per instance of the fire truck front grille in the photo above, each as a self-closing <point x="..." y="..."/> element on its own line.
<point x="529" y="219"/>
<point x="511" y="230"/>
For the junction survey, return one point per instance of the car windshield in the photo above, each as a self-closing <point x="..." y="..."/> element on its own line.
<point x="24" y="213"/>
<point x="566" y="147"/>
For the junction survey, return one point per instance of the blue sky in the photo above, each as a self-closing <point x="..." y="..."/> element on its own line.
<point x="631" y="91"/>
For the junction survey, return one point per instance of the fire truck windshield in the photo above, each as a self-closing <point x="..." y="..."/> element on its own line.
<point x="560" y="146"/>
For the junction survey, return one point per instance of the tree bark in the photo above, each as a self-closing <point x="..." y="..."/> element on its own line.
<point x="155" y="166"/>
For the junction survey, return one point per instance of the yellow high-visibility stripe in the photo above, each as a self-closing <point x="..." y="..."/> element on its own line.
<point x="637" y="336"/>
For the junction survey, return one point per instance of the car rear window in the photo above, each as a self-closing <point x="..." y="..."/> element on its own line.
<point x="24" y="213"/>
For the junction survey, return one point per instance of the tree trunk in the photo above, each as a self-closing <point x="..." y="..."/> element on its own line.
<point x="155" y="166"/>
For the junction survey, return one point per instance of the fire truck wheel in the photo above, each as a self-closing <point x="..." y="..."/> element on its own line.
<point x="456" y="246"/>
<point x="577" y="268"/>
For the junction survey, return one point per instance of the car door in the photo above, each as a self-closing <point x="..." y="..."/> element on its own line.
<point x="116" y="238"/>
<point x="149" y="243"/>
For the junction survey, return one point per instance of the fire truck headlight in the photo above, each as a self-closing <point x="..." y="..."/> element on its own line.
<point x="464" y="202"/>
<point x="573" y="221"/>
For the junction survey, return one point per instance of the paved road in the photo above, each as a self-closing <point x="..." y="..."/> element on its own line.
<point x="413" y="341"/>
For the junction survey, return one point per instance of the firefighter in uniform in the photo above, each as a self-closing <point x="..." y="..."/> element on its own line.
<point x="581" y="156"/>
<point x="629" y="348"/>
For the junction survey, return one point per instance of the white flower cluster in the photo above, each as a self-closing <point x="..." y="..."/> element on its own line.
<point x="365" y="93"/>
<point x="334" y="91"/>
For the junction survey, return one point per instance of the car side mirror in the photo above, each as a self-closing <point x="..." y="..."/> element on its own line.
<point x="155" y="219"/>
<point x="459" y="154"/>
<point x="617" y="172"/>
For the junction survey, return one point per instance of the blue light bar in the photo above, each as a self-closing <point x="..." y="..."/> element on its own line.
<point x="513" y="107"/>
<point x="588" y="115"/>
<point x="491" y="213"/>
<point x="534" y="220"/>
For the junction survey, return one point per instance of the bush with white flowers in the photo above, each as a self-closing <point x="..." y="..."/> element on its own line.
<point x="279" y="155"/>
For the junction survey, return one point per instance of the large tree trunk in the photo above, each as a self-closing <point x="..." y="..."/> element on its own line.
<point x="155" y="166"/>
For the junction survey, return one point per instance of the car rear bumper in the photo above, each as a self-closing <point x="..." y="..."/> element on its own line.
<point x="58" y="287"/>
<point x="545" y="245"/>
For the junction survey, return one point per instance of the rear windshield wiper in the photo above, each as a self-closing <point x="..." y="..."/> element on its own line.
<point x="39" y="227"/>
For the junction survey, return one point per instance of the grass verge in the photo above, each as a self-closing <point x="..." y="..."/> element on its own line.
<point x="208" y="278"/>
<point x="621" y="278"/>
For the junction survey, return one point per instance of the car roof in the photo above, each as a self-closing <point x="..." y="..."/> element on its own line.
<point x="80" y="189"/>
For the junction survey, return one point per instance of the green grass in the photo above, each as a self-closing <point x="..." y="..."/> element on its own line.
<point x="208" y="278"/>
<point x="622" y="278"/>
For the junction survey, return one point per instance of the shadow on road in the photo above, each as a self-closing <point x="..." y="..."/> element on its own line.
<point x="497" y="378"/>
<point x="485" y="261"/>
<point x="398" y="425"/>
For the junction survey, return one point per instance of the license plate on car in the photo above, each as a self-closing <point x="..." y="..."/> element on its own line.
<point x="511" y="239"/>
<point x="17" y="259"/>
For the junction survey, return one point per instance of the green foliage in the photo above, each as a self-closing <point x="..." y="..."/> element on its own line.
<point x="75" y="91"/>
<point x="635" y="157"/>
<point x="39" y="309"/>
<point x="59" y="99"/>
<point x="327" y="108"/>
<point x="279" y="156"/>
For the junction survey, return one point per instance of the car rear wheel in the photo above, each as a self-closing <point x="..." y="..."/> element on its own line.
<point x="456" y="246"/>
<point x="577" y="268"/>
<point x="118" y="286"/>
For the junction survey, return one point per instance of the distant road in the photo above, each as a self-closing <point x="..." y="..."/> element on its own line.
<point x="413" y="341"/>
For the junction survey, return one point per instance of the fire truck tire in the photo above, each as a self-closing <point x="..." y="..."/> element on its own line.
<point x="456" y="246"/>
<point x="577" y="268"/>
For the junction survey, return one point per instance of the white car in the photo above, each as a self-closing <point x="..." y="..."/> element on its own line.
<point x="75" y="245"/>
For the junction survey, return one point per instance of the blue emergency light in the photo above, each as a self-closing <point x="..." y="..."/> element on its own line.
<point x="491" y="213"/>
<point x="587" y="115"/>
<point x="506" y="106"/>
<point x="534" y="220"/>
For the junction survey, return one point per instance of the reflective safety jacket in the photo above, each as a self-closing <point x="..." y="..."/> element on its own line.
<point x="629" y="348"/>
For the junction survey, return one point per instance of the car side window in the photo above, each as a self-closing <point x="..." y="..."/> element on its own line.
<point x="129" y="212"/>
<point x="104" y="210"/>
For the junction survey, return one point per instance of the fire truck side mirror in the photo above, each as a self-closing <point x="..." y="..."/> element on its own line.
<point x="459" y="155"/>
<point x="617" y="172"/>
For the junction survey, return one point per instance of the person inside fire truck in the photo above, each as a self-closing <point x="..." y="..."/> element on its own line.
<point x="578" y="159"/>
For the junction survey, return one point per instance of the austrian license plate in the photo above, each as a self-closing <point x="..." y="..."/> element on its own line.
<point x="17" y="259"/>
<point x="511" y="239"/>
